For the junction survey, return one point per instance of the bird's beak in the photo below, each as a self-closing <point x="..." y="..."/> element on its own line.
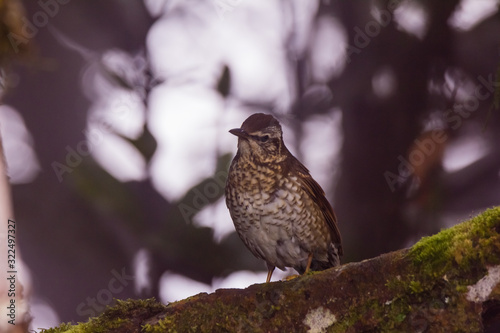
<point x="239" y="133"/>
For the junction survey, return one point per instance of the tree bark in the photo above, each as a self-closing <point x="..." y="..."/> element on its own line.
<point x="449" y="282"/>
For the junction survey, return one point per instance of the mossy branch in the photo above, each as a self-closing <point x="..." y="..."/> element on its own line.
<point x="449" y="282"/>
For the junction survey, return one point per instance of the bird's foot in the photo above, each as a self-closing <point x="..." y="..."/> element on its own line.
<point x="291" y="277"/>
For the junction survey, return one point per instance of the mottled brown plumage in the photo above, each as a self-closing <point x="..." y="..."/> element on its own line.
<point x="279" y="211"/>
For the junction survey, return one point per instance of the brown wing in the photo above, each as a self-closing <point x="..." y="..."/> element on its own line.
<point x="317" y="193"/>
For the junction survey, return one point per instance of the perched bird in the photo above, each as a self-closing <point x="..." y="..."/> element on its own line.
<point x="279" y="211"/>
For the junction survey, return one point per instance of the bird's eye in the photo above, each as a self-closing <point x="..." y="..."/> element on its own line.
<point x="264" y="138"/>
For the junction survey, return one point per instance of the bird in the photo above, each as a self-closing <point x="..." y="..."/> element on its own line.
<point x="279" y="211"/>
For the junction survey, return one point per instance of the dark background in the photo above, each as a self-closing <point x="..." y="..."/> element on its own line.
<point x="75" y="235"/>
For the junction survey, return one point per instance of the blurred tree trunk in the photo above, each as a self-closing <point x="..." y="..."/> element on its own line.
<point x="377" y="130"/>
<point x="13" y="295"/>
<point x="64" y="241"/>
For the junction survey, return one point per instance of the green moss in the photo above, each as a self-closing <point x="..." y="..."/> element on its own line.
<point x="395" y="285"/>
<point x="164" y="325"/>
<point x="387" y="316"/>
<point x="415" y="287"/>
<point x="64" y="327"/>
<point x="93" y="325"/>
<point x="447" y="263"/>
<point x="458" y="246"/>
<point x="113" y="318"/>
<point x="441" y="267"/>
<point x="209" y="314"/>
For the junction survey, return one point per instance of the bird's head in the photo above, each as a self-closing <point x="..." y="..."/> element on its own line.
<point x="260" y="139"/>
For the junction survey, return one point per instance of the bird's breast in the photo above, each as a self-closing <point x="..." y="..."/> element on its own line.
<point x="262" y="200"/>
<point x="274" y="216"/>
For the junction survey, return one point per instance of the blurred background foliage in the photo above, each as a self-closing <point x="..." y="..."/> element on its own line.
<point x="416" y="92"/>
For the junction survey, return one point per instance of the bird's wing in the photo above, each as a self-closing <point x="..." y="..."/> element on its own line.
<point x="316" y="192"/>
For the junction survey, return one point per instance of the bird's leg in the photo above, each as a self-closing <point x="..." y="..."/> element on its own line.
<point x="270" y="270"/>
<point x="308" y="267"/>
<point x="309" y="261"/>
